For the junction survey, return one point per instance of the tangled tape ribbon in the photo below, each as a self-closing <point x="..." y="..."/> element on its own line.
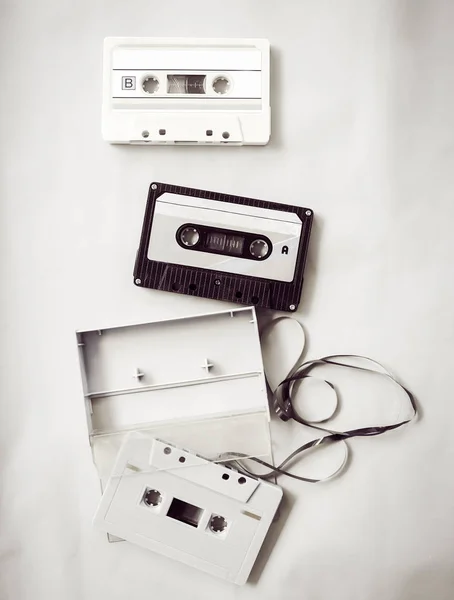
<point x="285" y="408"/>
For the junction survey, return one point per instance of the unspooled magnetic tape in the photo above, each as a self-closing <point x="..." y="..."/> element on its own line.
<point x="223" y="247"/>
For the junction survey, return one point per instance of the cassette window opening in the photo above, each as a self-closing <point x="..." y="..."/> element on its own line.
<point x="186" y="84"/>
<point x="185" y="512"/>
<point x="227" y="242"/>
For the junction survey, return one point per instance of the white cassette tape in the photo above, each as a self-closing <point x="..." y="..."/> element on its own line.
<point x="178" y="504"/>
<point x="186" y="91"/>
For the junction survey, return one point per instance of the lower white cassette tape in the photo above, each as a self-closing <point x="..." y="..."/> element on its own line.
<point x="186" y="91"/>
<point x="178" y="504"/>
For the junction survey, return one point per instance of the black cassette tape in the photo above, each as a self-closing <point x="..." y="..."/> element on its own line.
<point x="223" y="247"/>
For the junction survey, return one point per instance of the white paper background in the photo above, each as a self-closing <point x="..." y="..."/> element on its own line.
<point x="363" y="133"/>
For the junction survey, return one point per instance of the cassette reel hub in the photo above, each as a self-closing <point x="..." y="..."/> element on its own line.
<point x="217" y="524"/>
<point x="150" y="84"/>
<point x="189" y="236"/>
<point x="259" y="248"/>
<point x="221" y="85"/>
<point x="152" y="497"/>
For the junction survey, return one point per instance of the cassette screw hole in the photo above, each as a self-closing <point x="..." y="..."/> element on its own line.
<point x="152" y="497"/>
<point x="154" y="186"/>
<point x="217" y="524"/>
<point x="308" y="213"/>
<point x="209" y="132"/>
<point x="182" y="459"/>
<point x="226" y="135"/>
<point x="138" y="281"/>
<point x="225" y="476"/>
<point x="217" y="282"/>
<point x="255" y="299"/>
<point x="221" y="85"/>
<point x="175" y="286"/>
<point x="192" y="286"/>
<point x="145" y="133"/>
<point x="238" y="294"/>
<point x="242" y="480"/>
<point x="150" y="85"/>
<point x="292" y="307"/>
<point x="167" y="450"/>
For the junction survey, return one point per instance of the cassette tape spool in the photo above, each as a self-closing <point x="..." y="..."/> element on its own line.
<point x="223" y="247"/>
<point x="183" y="506"/>
<point x="186" y="91"/>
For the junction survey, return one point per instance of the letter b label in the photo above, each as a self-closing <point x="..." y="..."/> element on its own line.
<point x="128" y="83"/>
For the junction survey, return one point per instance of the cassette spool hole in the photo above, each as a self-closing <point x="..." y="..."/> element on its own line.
<point x="182" y="459"/>
<point x="242" y="480"/>
<point x="151" y="497"/>
<point x="221" y="85"/>
<point x="259" y="248"/>
<point x="217" y="524"/>
<point x="255" y="299"/>
<point x="167" y="450"/>
<point x="209" y="132"/>
<point x="175" y="286"/>
<point x="192" y="287"/>
<point x="150" y="84"/>
<point x="189" y="236"/>
<point x="226" y="135"/>
<point x="238" y="294"/>
<point x="225" y="476"/>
